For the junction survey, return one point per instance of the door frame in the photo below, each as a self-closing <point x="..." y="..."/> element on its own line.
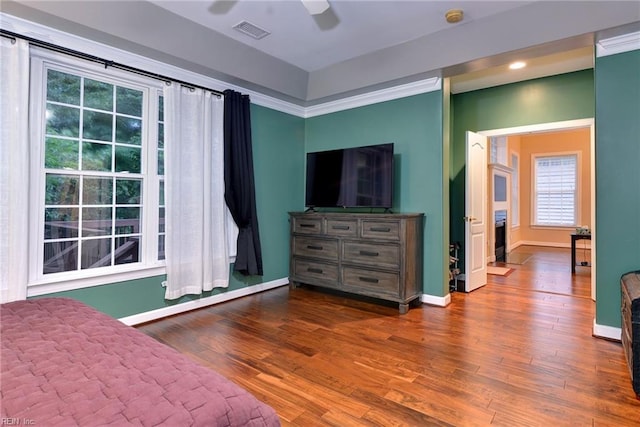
<point x="564" y="125"/>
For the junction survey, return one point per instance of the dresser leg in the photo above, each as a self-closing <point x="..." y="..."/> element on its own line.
<point x="404" y="308"/>
<point x="292" y="285"/>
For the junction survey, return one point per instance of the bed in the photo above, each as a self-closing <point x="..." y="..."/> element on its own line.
<point x="64" y="363"/>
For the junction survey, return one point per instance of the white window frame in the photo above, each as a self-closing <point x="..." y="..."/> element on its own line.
<point x="515" y="189"/>
<point x="39" y="283"/>
<point x="577" y="197"/>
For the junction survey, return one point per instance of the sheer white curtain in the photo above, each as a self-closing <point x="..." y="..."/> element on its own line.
<point x="14" y="169"/>
<point x="196" y="240"/>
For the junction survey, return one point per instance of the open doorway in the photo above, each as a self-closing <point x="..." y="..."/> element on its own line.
<point x="527" y="148"/>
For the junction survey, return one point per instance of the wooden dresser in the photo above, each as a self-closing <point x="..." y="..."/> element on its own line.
<point x="377" y="255"/>
<point x="630" y="284"/>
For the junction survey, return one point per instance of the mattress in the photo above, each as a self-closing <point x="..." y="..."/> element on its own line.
<point x="64" y="363"/>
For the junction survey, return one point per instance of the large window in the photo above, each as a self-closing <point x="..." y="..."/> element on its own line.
<point x="555" y="190"/>
<point x="99" y="145"/>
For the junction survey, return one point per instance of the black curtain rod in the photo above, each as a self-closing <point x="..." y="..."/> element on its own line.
<point x="106" y="62"/>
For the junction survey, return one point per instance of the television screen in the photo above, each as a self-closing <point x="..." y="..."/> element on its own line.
<point x="351" y="177"/>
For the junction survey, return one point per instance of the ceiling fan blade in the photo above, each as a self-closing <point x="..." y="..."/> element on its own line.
<point x="316" y="7"/>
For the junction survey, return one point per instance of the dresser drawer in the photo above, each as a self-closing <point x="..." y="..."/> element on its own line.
<point x="315" y="271"/>
<point x="307" y="225"/>
<point x="372" y="283"/>
<point x="382" y="255"/>
<point x="315" y="247"/>
<point x="385" y="230"/>
<point x="342" y="227"/>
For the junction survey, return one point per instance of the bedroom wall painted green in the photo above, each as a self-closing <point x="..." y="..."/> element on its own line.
<point x="617" y="87"/>
<point x="278" y="152"/>
<point x="551" y="99"/>
<point x="414" y="124"/>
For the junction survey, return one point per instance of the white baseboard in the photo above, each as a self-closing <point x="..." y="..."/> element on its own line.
<point x="434" y="300"/>
<point x="550" y="244"/>
<point x="203" y="302"/>
<point x="609" y="332"/>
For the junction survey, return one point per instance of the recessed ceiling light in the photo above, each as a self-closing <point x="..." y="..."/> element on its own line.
<point x="517" y="65"/>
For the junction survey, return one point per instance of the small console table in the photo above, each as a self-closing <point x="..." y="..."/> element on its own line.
<point x="574" y="237"/>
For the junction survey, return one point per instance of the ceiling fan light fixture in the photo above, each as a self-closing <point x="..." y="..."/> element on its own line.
<point x="454" y="15"/>
<point x="316" y="7"/>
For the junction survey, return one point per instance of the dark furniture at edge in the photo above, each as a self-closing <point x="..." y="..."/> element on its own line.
<point x="375" y="255"/>
<point x="630" y="310"/>
<point x="574" y="237"/>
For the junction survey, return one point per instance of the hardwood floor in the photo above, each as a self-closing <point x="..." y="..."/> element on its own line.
<point x="517" y="352"/>
<point x="547" y="270"/>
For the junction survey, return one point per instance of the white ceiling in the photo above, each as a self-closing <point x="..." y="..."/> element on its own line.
<point x="350" y="28"/>
<point x="357" y="46"/>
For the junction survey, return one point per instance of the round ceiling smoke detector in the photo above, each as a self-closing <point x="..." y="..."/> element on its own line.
<point x="454" y="15"/>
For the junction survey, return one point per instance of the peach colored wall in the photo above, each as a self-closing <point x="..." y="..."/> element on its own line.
<point x="577" y="140"/>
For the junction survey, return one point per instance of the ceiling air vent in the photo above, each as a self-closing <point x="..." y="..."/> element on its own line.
<point x="251" y="30"/>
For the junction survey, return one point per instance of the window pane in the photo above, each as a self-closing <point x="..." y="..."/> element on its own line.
<point x="98" y="95"/>
<point x="62" y="190"/>
<point x="60" y="223"/>
<point x="96" y="253"/>
<point x="127" y="250"/>
<point x="161" y="246"/>
<point x="127" y="159"/>
<point x="160" y="162"/>
<point x="127" y="220"/>
<point x="128" y="130"/>
<point x="161" y="193"/>
<point x="161" y="222"/>
<point x="63" y="87"/>
<point x="63" y="121"/>
<point x="61" y="153"/>
<point x="129" y="101"/>
<point x="96" y="221"/>
<point x="161" y="108"/>
<point x="555" y="187"/>
<point x="96" y="157"/>
<point x="128" y="191"/>
<point x="97" y="191"/>
<point x="98" y="126"/>
<point x="60" y="256"/>
<point x="160" y="135"/>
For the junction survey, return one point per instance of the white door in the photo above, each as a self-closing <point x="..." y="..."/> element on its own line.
<point x="475" y="228"/>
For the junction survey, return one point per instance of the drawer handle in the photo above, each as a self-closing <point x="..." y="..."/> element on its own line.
<point x="315" y="248"/>
<point x="314" y="270"/>
<point x="381" y="229"/>
<point x="368" y="279"/>
<point x="367" y="253"/>
<point x="340" y="227"/>
<point x="307" y="225"/>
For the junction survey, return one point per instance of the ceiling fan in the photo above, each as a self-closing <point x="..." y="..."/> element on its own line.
<point x="315" y="7"/>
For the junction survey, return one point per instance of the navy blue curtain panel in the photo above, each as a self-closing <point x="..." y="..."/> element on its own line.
<point x="240" y="192"/>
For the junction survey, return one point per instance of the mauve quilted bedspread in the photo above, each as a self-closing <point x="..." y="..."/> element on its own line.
<point x="64" y="364"/>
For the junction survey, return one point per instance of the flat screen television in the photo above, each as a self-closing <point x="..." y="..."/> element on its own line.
<point x="350" y="177"/>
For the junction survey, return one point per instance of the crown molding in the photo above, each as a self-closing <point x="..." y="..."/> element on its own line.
<point x="100" y="50"/>
<point x="619" y="44"/>
<point x="388" y="94"/>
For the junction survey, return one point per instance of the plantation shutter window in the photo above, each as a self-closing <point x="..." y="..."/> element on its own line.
<point x="555" y="190"/>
